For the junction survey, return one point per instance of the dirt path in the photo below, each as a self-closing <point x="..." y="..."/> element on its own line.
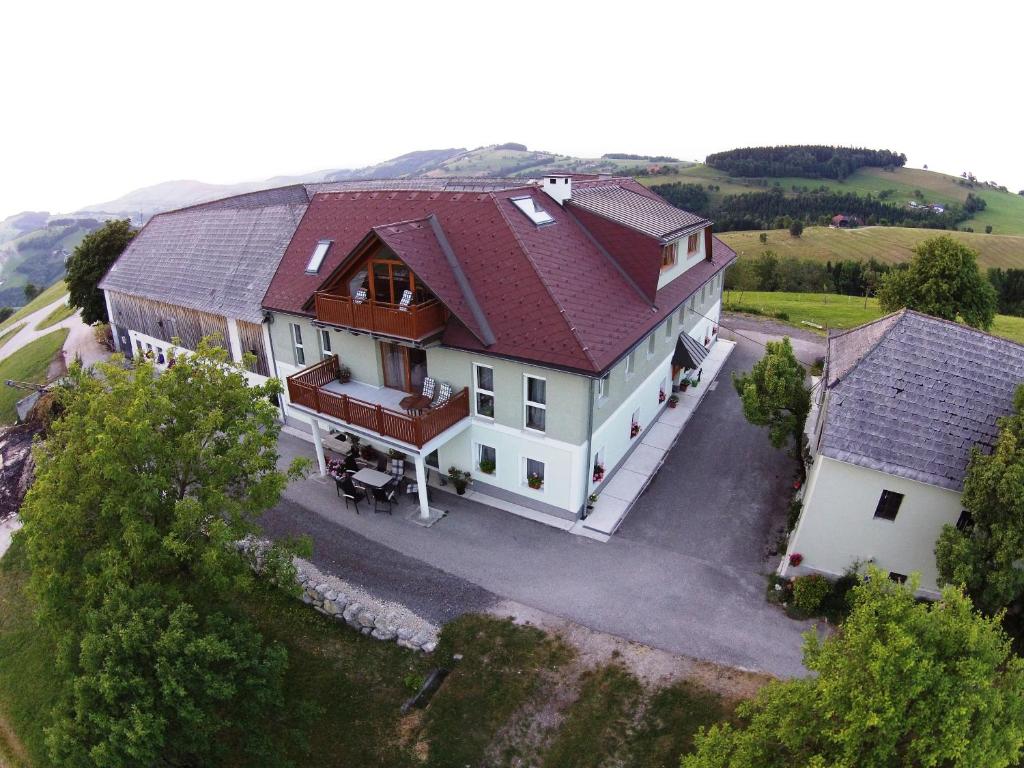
<point x="80" y="341"/>
<point x="12" y="751"/>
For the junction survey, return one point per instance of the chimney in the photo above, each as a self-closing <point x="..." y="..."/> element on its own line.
<point x="558" y="186"/>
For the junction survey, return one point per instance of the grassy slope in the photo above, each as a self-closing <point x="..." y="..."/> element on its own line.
<point x="1005" y="211"/>
<point x="48" y="296"/>
<point x="833" y="311"/>
<point x="9" y="272"/>
<point x="60" y="313"/>
<point x="5" y="335"/>
<point x="27" y="364"/>
<point x="893" y="244"/>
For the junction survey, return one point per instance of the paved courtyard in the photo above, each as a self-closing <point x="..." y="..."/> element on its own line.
<point x="684" y="574"/>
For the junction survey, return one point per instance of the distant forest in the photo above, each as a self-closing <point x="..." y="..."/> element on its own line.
<point x="773" y="209"/>
<point x="808" y="161"/>
<point x="647" y="158"/>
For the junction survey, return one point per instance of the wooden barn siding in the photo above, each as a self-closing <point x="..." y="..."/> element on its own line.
<point x="166" y="321"/>
<point x="251" y="336"/>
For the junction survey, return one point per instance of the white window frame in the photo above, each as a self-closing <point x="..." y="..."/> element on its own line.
<point x="478" y="390"/>
<point x="669" y="256"/>
<point x="630" y="364"/>
<point x="695" y="238"/>
<point x="324" y="335"/>
<point x="526" y="474"/>
<point x="479" y="458"/>
<point x="317" y="257"/>
<point x="603" y="384"/>
<point x="652" y="345"/>
<point x="298" y="349"/>
<point x="528" y="403"/>
<point x="668" y="328"/>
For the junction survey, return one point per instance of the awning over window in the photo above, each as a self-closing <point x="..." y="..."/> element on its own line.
<point x="689" y="353"/>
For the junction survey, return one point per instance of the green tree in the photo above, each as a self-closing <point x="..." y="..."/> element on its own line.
<point x="5" y="312"/>
<point x="90" y="262"/>
<point x="143" y="488"/>
<point x="985" y="557"/>
<point x="766" y="267"/>
<point x="31" y="291"/>
<point x="942" y="280"/>
<point x="903" y="684"/>
<point x="763" y="237"/>
<point x="774" y="394"/>
<point x="796" y="228"/>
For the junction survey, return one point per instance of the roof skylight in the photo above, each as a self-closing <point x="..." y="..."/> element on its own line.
<point x="318" y="256"/>
<point x="534" y="212"/>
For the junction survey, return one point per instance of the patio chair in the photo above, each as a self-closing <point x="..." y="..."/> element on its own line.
<point x="382" y="499"/>
<point x="350" y="492"/>
<point x="382" y="463"/>
<point x="428" y="387"/>
<point x="444" y="394"/>
<point x="361" y="296"/>
<point x="403" y="305"/>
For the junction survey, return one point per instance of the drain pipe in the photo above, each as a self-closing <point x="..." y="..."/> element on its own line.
<point x="590" y="451"/>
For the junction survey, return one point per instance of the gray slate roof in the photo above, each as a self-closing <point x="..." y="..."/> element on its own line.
<point x="649" y="215"/>
<point x="217" y="257"/>
<point x="910" y="395"/>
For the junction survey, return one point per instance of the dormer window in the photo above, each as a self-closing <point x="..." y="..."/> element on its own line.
<point x="669" y="256"/>
<point x="533" y="212"/>
<point x="318" y="256"/>
<point x="693" y="244"/>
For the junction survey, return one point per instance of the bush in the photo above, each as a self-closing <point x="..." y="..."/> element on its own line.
<point x="808" y="593"/>
<point x="781" y="315"/>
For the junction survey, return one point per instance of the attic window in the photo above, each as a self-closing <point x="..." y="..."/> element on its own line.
<point x="318" y="256"/>
<point x="534" y="212"/>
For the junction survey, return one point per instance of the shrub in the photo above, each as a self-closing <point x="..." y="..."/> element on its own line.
<point x="368" y="452"/>
<point x="780" y="315"/>
<point x="809" y="592"/>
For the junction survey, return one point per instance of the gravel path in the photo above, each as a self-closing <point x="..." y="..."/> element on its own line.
<point x="80" y="341"/>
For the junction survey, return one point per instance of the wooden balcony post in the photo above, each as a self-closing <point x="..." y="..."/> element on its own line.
<point x="417" y="424"/>
<point x="380" y="419"/>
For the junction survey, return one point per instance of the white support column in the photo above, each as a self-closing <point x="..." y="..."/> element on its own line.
<point x="113" y="323"/>
<point x="318" y="443"/>
<point x="421" y="485"/>
<point x="234" y="340"/>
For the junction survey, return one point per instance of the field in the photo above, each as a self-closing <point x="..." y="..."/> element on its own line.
<point x="40" y="261"/>
<point x="60" y="313"/>
<point x="891" y="244"/>
<point x="29" y="363"/>
<point x="1005" y="211"/>
<point x="833" y="311"/>
<point x="48" y="296"/>
<point x="518" y="696"/>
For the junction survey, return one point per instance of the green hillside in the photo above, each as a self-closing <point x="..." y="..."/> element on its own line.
<point x="37" y="257"/>
<point x="1004" y="211"/>
<point x="502" y="160"/>
<point x="892" y="244"/>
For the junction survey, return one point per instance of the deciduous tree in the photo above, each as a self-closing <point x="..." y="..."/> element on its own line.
<point x="143" y="488"/>
<point x="774" y="394"/>
<point x="942" y="280"/>
<point x="796" y="228"/>
<point x="90" y="262"/>
<point x="987" y="557"/>
<point x="901" y="685"/>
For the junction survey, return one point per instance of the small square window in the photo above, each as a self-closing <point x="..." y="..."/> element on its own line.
<point x="651" y="345"/>
<point x="899" y="578"/>
<point x="888" y="505"/>
<point x="484" y="386"/>
<point x="965" y="521"/>
<point x="487" y="459"/>
<point x="535" y="474"/>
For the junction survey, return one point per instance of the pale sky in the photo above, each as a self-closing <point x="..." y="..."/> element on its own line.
<point x="101" y="98"/>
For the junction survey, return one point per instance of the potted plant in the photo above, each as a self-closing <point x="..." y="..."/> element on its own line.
<point x="694" y="383"/>
<point x="795" y="559"/>
<point x="634" y="430"/>
<point x="661" y="396"/>
<point x="487" y="466"/>
<point x="344" y="374"/>
<point x="684" y="385"/>
<point x="459" y="479"/>
<point x="591" y="501"/>
<point x="598" y="473"/>
<point x="368" y="452"/>
<point x="535" y="481"/>
<point x="673" y="401"/>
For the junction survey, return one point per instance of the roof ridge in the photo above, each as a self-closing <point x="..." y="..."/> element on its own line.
<point x="898" y="314"/>
<point x="561" y="310"/>
<point x="218" y="200"/>
<point x="961" y="326"/>
<point x="486" y="334"/>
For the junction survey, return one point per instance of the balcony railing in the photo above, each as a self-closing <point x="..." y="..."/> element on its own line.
<point x="417" y="321"/>
<point x="306" y="388"/>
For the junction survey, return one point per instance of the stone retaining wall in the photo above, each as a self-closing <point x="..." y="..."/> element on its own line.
<point x="361" y="611"/>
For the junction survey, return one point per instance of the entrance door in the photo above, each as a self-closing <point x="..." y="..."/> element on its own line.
<point x="404" y="367"/>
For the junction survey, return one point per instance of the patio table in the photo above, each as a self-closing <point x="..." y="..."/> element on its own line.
<point x="415" y="403"/>
<point x="372" y="478"/>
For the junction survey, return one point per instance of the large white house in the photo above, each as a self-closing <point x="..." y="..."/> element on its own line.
<point x="902" y="402"/>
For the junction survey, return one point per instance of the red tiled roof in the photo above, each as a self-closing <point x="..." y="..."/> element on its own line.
<point x="550" y="294"/>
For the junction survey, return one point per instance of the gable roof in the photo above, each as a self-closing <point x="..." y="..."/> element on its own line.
<point x="910" y="395"/>
<point x="550" y="294"/>
<point x="639" y="209"/>
<point x="216" y="257"/>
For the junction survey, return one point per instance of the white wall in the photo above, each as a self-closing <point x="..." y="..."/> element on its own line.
<point x="684" y="262"/>
<point x="253" y="379"/>
<point x="837" y="525"/>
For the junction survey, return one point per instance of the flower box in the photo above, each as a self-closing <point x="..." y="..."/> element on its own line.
<point x="634" y="430"/>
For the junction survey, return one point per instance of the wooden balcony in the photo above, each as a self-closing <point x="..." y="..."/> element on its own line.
<point x="308" y="388"/>
<point x="417" y="321"/>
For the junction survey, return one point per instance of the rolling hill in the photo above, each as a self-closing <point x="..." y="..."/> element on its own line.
<point x="38" y="256"/>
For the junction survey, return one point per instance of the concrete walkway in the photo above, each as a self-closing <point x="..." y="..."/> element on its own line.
<point x="619" y="494"/>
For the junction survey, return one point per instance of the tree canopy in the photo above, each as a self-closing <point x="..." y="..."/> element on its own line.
<point x="90" y="262"/>
<point x="902" y="684"/>
<point x="774" y="394"/>
<point x="807" y="160"/>
<point x="144" y="486"/>
<point x="985" y="557"/>
<point x="942" y="280"/>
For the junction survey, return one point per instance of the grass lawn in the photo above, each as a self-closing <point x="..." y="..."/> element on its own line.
<point x="48" y="296"/>
<point x="29" y="363"/>
<point x="891" y="244"/>
<point x="60" y="313"/>
<point x="5" y="335"/>
<point x="670" y="721"/>
<point x="834" y="311"/>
